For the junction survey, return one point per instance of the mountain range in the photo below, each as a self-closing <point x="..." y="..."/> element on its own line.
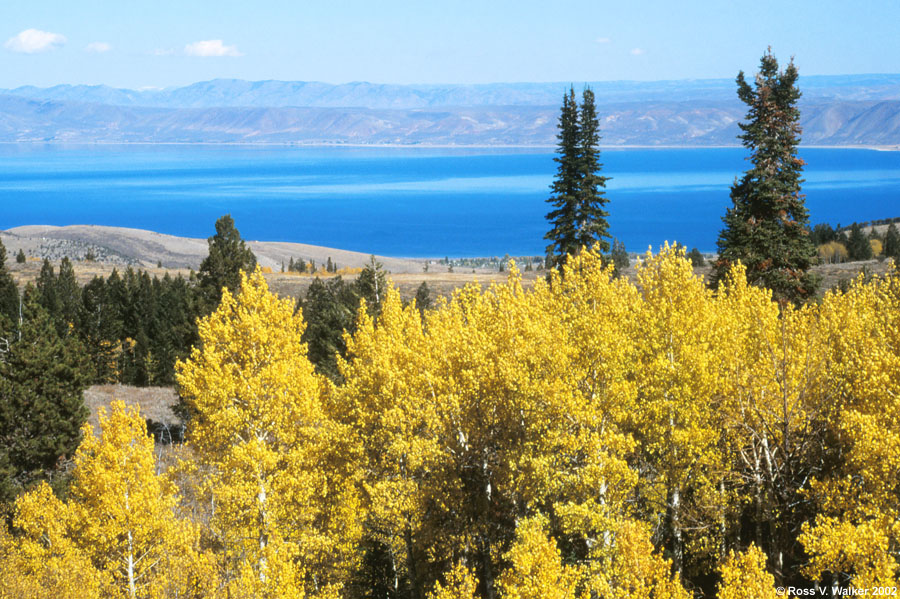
<point x="848" y="110"/>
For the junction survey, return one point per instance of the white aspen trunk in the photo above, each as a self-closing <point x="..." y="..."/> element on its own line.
<point x="677" y="541"/>
<point x="129" y="560"/>
<point x="263" y="529"/>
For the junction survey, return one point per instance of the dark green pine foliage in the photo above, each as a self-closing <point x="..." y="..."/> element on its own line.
<point x="566" y="187"/>
<point x="46" y="289"/>
<point x="20" y="257"/>
<point x="42" y="378"/>
<point x="423" y="297"/>
<point x="858" y="246"/>
<point x="767" y="226"/>
<point x="329" y="309"/>
<point x="619" y="256"/>
<point x="228" y="256"/>
<point x="591" y="227"/>
<point x="9" y="294"/>
<point x="696" y="258"/>
<point x="891" y="247"/>
<point x="578" y="218"/>
<point x="68" y="295"/>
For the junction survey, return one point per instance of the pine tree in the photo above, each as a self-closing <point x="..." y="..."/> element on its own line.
<point x="892" y="242"/>
<point x="20" y="257"/>
<point x="619" y="256"/>
<point x="591" y="225"/>
<point x="566" y="186"/>
<point x="9" y="294"/>
<point x="767" y="227"/>
<point x="858" y="246"/>
<point x="228" y="256"/>
<point x="42" y="378"/>
<point x="578" y="219"/>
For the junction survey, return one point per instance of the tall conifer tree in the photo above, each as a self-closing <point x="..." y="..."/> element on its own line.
<point x="578" y="218"/>
<point x="228" y="256"/>
<point x="591" y="225"/>
<point x="566" y="186"/>
<point x="767" y="227"/>
<point x="9" y="293"/>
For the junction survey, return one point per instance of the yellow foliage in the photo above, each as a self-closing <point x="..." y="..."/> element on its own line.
<point x="273" y="464"/>
<point x="876" y="246"/>
<point x="460" y="584"/>
<point x="536" y="570"/>
<point x="744" y="576"/>
<point x="832" y="252"/>
<point x="631" y="568"/>
<point x="44" y="563"/>
<point x="857" y="532"/>
<point x="266" y="270"/>
<point x="118" y="532"/>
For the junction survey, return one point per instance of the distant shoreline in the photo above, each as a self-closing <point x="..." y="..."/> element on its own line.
<point x="878" y="148"/>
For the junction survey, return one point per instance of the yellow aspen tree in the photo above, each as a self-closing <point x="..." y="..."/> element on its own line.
<point x="123" y="515"/>
<point x="43" y="562"/>
<point x="856" y="535"/>
<point x="477" y="417"/>
<point x="744" y="576"/>
<point x="632" y="568"/>
<point x="536" y="570"/>
<point x="120" y="518"/>
<point x="460" y="584"/>
<point x="680" y="462"/>
<point x="277" y="471"/>
<point x="776" y="396"/>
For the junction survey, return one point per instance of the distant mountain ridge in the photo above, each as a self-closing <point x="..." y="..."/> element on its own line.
<point x="272" y="93"/>
<point x="836" y="110"/>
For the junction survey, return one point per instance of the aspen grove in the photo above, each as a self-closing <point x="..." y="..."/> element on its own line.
<point x="590" y="437"/>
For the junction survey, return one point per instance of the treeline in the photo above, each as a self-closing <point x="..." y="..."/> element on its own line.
<point x="851" y="244"/>
<point x="591" y="437"/>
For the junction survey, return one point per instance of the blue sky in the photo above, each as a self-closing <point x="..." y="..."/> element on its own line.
<point x="159" y="43"/>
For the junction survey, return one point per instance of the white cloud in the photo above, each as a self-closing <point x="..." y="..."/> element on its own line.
<point x="603" y="40"/>
<point x="98" y="47"/>
<point x="211" y="48"/>
<point x="32" y="41"/>
<point x="637" y="51"/>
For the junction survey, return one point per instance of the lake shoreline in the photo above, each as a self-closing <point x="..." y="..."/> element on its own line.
<point x="251" y="144"/>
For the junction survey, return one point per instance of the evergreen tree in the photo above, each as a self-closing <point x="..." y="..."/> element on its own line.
<point x="329" y="309"/>
<point x="822" y="233"/>
<point x="20" y="257"/>
<point x="590" y="217"/>
<point x="767" y="226"/>
<point x="69" y="297"/>
<point x="423" y="297"/>
<point x="578" y="219"/>
<point x="696" y="258"/>
<point x="858" y="246"/>
<point x="566" y="187"/>
<point x="619" y="256"/>
<point x="9" y="293"/>
<point x="892" y="242"/>
<point x="228" y="256"/>
<point x="42" y="378"/>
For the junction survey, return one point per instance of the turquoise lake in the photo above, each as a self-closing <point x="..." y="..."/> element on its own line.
<point x="410" y="201"/>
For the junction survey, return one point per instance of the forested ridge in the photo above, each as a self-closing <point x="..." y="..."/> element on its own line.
<point x="592" y="437"/>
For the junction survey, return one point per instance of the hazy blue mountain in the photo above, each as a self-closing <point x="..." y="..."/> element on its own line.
<point x="689" y="123"/>
<point x="836" y="110"/>
<point x="235" y="92"/>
